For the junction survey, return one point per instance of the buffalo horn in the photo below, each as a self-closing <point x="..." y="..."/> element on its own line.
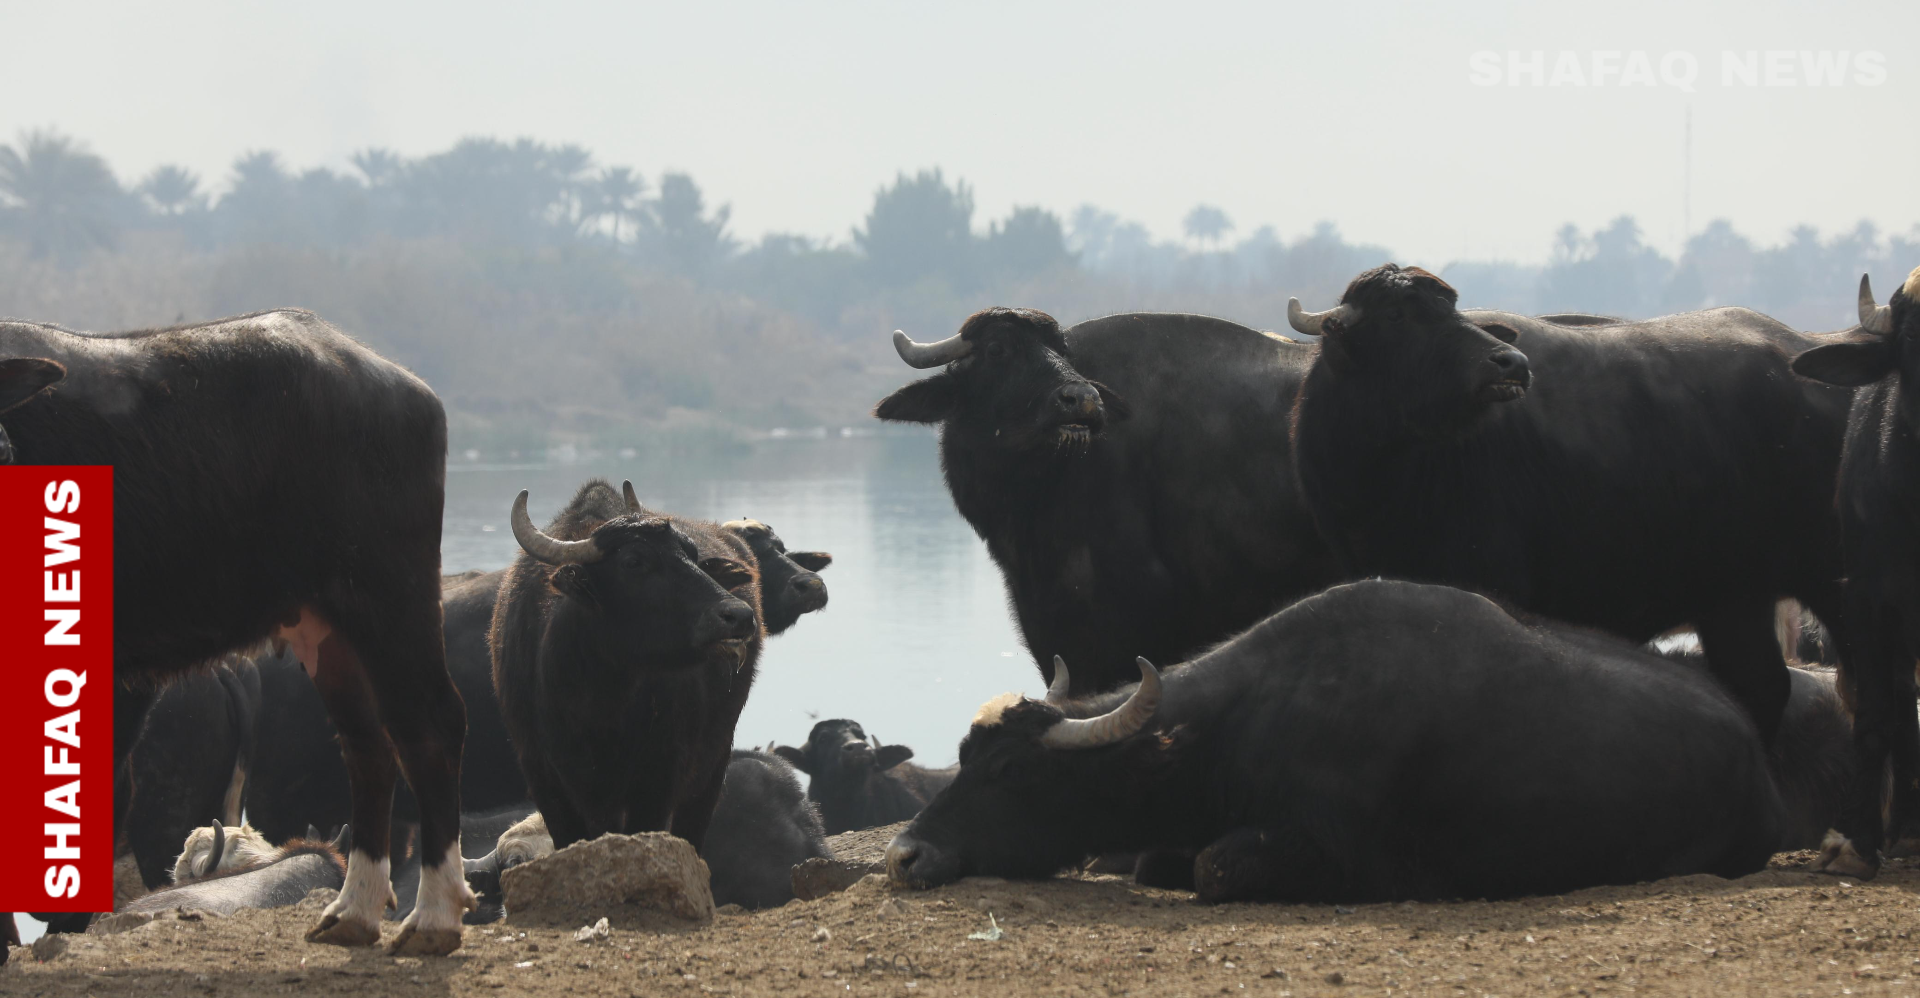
<point x="921" y="356"/>
<point x="633" y="501"/>
<point x="1057" y="693"/>
<point x="1873" y="318"/>
<point x="219" y="850"/>
<point x="547" y="549"/>
<point x="1115" y="725"/>
<point x="1309" y="323"/>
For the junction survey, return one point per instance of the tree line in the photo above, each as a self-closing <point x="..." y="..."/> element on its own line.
<point x="591" y="258"/>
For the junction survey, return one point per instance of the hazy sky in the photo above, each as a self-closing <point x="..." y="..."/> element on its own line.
<point x="1365" y="114"/>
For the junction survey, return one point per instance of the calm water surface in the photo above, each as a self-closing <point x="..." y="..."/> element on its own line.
<point x="916" y="634"/>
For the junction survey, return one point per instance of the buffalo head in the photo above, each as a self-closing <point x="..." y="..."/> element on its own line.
<point x="1887" y="340"/>
<point x="1397" y="339"/>
<point x="839" y="752"/>
<point x="638" y="587"/>
<point x="1036" y="790"/>
<point x="790" y="583"/>
<point x="1009" y="382"/>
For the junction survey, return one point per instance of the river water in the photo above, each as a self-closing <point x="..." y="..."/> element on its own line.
<point x="916" y="634"/>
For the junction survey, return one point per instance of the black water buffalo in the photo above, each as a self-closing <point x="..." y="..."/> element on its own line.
<point x="191" y="763"/>
<point x="1378" y="741"/>
<point x="762" y="828"/>
<point x="275" y="881"/>
<point x="858" y="782"/>
<point x="1131" y="477"/>
<point x="272" y="477"/>
<point x="1879" y="487"/>
<point x="624" y="643"/>
<point x="790" y="584"/>
<point x="1632" y="476"/>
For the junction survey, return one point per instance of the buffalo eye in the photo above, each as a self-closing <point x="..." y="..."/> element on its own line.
<point x="996" y="351"/>
<point x="632" y="558"/>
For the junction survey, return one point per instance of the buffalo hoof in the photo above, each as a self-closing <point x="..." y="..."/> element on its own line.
<point x="1839" y="857"/>
<point x="416" y="941"/>
<point x="333" y="931"/>
<point x="1906" y="846"/>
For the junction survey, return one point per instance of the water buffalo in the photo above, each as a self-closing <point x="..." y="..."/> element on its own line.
<point x="191" y="763"/>
<point x="1879" y="487"/>
<point x="276" y="880"/>
<point x="762" y="828"/>
<point x="624" y="643"/>
<point x="1131" y="476"/>
<point x="1631" y="477"/>
<point x="790" y="584"/>
<point x="272" y="477"/>
<point x="1378" y="741"/>
<point x="858" y="782"/>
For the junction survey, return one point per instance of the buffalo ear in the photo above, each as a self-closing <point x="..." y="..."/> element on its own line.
<point x="729" y="573"/>
<point x="932" y="400"/>
<point x="21" y="378"/>
<point x="812" y="561"/>
<point x="343" y="841"/>
<point x="1502" y="332"/>
<point x="794" y="757"/>
<point x="573" y="582"/>
<point x="1848" y="364"/>
<point x="1111" y="401"/>
<point x="889" y="756"/>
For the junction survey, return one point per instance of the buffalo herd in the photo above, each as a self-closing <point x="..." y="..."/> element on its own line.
<point x="1402" y="574"/>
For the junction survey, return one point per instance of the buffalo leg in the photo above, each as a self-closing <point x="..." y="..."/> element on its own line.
<point x="353" y="919"/>
<point x="1880" y="679"/>
<point x="1169" y="869"/>
<point x="1254" y="863"/>
<point x="9" y="935"/>
<point x="692" y="816"/>
<point x="1744" y="654"/>
<point x="427" y="723"/>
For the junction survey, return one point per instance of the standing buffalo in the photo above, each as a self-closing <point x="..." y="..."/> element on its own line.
<point x="1131" y="477"/>
<point x="1379" y="741"/>
<point x="273" y="477"/>
<point x="624" y="644"/>
<point x="1631" y="476"/>
<point x="790" y="584"/>
<point x="858" y="782"/>
<point x="1879" y="488"/>
<point x="191" y="763"/>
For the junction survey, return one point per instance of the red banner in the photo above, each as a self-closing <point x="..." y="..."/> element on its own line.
<point x="56" y="688"/>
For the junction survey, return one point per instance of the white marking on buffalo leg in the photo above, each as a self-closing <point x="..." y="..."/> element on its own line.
<point x="368" y="891"/>
<point x="434" y="926"/>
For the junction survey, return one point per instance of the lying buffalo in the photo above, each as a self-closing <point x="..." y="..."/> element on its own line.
<point x="1632" y="477"/>
<point x="1378" y="741"/>
<point x="192" y="761"/>
<point x="1131" y="476"/>
<point x="858" y="782"/>
<point x="272" y="881"/>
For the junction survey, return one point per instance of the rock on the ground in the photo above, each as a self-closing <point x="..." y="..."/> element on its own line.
<point x="48" y="948"/>
<point x="109" y="925"/>
<point x="634" y="880"/>
<point x="856" y="854"/>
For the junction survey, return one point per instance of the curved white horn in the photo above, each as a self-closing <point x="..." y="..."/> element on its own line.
<point x="1057" y="692"/>
<point x="924" y="355"/>
<point x="1309" y="323"/>
<point x="1873" y="318"/>
<point x="218" y="852"/>
<point x="1119" y="723"/>
<point x="547" y="549"/>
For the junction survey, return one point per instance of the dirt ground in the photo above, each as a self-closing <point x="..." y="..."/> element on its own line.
<point x="1780" y="932"/>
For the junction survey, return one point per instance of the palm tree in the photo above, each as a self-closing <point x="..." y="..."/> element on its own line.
<point x="65" y="199"/>
<point x="615" y="195"/>
<point x="379" y="166"/>
<point x="1206" y="224"/>
<point x="172" y="190"/>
